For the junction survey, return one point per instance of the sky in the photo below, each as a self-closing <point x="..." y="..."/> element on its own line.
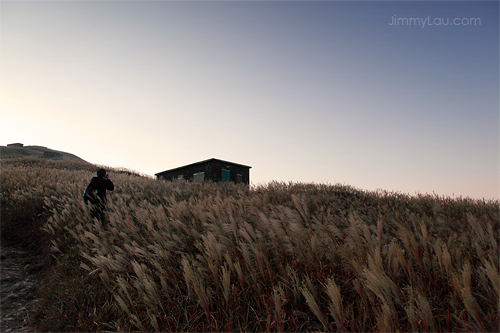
<point x="397" y="96"/>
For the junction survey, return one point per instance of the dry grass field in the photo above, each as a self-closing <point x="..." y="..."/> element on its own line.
<point x="280" y="257"/>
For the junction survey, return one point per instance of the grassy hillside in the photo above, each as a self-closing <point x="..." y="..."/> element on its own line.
<point x="280" y="257"/>
<point x="33" y="151"/>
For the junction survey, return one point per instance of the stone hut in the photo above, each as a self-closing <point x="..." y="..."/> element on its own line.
<point x="212" y="169"/>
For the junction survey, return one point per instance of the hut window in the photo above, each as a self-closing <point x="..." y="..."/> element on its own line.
<point x="199" y="177"/>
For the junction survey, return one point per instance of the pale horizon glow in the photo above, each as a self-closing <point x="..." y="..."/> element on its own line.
<point x="323" y="92"/>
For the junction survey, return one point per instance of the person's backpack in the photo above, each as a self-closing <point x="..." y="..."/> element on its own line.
<point x="90" y="194"/>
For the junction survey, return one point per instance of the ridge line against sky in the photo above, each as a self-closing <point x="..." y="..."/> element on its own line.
<point x="400" y="96"/>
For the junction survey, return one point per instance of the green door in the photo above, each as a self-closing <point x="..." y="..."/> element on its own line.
<point x="225" y="175"/>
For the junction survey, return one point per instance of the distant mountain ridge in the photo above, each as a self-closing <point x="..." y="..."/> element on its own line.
<point x="35" y="151"/>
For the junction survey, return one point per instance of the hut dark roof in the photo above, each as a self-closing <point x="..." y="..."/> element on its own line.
<point x="202" y="162"/>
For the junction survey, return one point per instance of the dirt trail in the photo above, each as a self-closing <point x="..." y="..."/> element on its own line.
<point x="20" y="273"/>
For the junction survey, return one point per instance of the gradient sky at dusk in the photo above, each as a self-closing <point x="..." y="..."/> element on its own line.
<point x="325" y="92"/>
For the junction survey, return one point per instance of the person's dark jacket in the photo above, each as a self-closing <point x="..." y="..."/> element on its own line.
<point x="102" y="184"/>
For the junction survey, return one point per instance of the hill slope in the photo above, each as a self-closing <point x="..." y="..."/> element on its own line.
<point x="34" y="151"/>
<point x="282" y="257"/>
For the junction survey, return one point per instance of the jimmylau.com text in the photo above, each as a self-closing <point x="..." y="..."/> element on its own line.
<point x="439" y="21"/>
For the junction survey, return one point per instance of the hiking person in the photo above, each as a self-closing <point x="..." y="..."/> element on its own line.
<point x="96" y="195"/>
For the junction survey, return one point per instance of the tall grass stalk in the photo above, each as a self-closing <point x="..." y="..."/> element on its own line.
<point x="180" y="256"/>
